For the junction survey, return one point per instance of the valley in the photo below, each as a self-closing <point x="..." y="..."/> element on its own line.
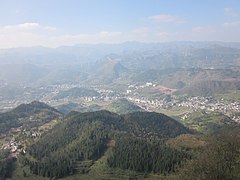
<point x="140" y="95"/>
<point x="131" y="111"/>
<point x="120" y="90"/>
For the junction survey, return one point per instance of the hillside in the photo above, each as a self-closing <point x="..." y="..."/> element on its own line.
<point x="211" y="87"/>
<point x="27" y="115"/>
<point x="11" y="92"/>
<point x="217" y="159"/>
<point x="63" y="74"/>
<point x="207" y="122"/>
<point x="175" y="65"/>
<point x="107" y="72"/>
<point x="18" y="74"/>
<point x="106" y="64"/>
<point x="151" y="124"/>
<point x="193" y="81"/>
<point x="123" y="106"/>
<point x="120" y="106"/>
<point x="74" y="145"/>
<point x="177" y="55"/>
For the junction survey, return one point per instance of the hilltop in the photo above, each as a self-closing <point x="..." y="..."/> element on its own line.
<point x="27" y="115"/>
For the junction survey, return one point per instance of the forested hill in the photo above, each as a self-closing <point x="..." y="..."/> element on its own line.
<point x="139" y="124"/>
<point x="33" y="107"/>
<point x="27" y="115"/>
<point x="76" y="143"/>
<point x="151" y="124"/>
<point x="123" y="106"/>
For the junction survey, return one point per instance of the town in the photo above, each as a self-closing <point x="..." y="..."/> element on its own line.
<point x="132" y="93"/>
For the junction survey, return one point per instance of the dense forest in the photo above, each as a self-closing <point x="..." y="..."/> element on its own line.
<point x="153" y="125"/>
<point x="56" y="158"/>
<point x="143" y="142"/>
<point x="6" y="164"/>
<point x="82" y="138"/>
<point x="145" y="156"/>
<point x="218" y="159"/>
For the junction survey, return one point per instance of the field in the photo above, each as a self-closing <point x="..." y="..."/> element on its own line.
<point x="173" y="112"/>
<point x="206" y="122"/>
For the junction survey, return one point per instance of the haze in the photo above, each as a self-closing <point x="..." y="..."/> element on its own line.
<point x="56" y="23"/>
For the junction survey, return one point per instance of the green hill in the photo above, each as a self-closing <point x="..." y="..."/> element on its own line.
<point x="75" y="145"/>
<point x="123" y="106"/>
<point x="66" y="108"/>
<point x="151" y="124"/>
<point x="207" y="122"/>
<point x="27" y="115"/>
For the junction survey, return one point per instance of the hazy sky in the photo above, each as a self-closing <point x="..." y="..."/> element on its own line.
<point x="67" y="22"/>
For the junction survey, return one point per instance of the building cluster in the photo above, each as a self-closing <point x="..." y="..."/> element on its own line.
<point x="13" y="144"/>
<point x="191" y="103"/>
<point x="14" y="147"/>
<point x="133" y="94"/>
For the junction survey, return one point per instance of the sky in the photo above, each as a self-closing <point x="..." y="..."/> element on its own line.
<point x="53" y="23"/>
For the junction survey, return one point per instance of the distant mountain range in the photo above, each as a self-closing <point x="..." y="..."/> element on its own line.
<point x="86" y="53"/>
<point x="179" y="65"/>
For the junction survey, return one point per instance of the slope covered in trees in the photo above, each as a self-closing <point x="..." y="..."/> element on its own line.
<point x="82" y="138"/>
<point x="218" y="159"/>
<point x="145" y="156"/>
<point x="207" y="122"/>
<point x="33" y="114"/>
<point x="6" y="164"/>
<point x="123" y="106"/>
<point x="151" y="124"/>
